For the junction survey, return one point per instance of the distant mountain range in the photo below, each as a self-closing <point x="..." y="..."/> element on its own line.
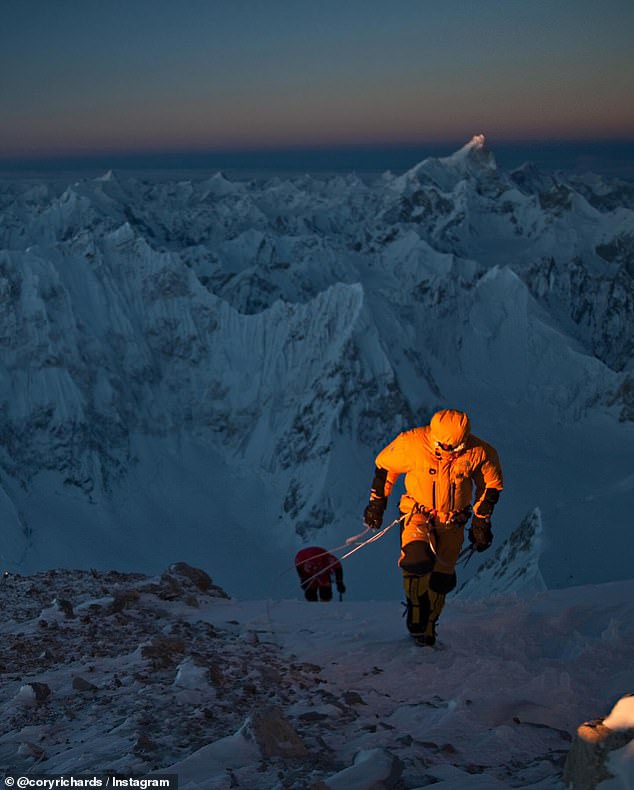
<point x="196" y="368"/>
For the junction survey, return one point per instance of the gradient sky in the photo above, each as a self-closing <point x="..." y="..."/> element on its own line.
<point x="92" y="76"/>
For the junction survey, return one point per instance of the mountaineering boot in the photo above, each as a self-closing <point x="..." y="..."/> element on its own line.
<point x="428" y="639"/>
<point x="418" y="603"/>
<point x="436" y="604"/>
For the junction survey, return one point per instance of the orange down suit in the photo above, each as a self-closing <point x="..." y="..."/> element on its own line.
<point x="439" y="488"/>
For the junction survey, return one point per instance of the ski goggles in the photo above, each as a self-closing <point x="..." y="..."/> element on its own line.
<point x="450" y="448"/>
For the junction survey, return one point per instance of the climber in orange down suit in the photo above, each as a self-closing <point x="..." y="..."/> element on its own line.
<point x="316" y="568"/>
<point x="451" y="476"/>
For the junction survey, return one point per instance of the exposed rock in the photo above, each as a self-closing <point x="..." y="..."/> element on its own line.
<point x="163" y="651"/>
<point x="273" y="734"/>
<point x="65" y="607"/>
<point x="215" y="674"/>
<point x="32" y="750"/>
<point x="80" y="684"/>
<point x="167" y="685"/>
<point x="353" y="698"/>
<point x="42" y="691"/>
<point x="587" y="763"/>
<point x="199" y="578"/>
<point x="124" y="599"/>
<point x="181" y="581"/>
<point x="144" y="744"/>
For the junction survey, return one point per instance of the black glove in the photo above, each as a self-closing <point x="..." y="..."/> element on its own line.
<point x="373" y="514"/>
<point x="480" y="534"/>
<point x="341" y="587"/>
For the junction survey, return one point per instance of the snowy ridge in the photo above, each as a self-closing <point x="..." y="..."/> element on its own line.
<point x="514" y="567"/>
<point x="212" y="359"/>
<point x="112" y="672"/>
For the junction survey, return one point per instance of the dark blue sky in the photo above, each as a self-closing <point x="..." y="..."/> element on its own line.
<point x="97" y="76"/>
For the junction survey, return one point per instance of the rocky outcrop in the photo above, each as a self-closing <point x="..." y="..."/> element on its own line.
<point x="274" y="734"/>
<point x="595" y="753"/>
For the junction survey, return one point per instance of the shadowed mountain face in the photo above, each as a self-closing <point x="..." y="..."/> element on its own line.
<point x="213" y="365"/>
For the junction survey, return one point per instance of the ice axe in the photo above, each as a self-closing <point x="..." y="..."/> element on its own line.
<point x="465" y="555"/>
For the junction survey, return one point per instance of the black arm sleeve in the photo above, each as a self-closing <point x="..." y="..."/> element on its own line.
<point x="485" y="508"/>
<point x="378" y="483"/>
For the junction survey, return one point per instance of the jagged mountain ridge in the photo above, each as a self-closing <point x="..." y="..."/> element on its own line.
<point x="514" y="566"/>
<point x="288" y="328"/>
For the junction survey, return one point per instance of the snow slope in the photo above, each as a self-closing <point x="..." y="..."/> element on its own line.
<point x="111" y="672"/>
<point x="207" y="368"/>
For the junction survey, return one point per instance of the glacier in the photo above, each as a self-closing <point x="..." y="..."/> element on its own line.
<point x="205" y="369"/>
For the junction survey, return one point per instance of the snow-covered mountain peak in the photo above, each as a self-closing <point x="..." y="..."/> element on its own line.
<point x="474" y="161"/>
<point x="178" y="348"/>
<point x="220" y="185"/>
<point x="475" y="150"/>
<point x="514" y="566"/>
<point x="107" y="176"/>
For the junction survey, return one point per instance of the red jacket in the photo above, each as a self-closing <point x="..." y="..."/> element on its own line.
<point x="317" y="562"/>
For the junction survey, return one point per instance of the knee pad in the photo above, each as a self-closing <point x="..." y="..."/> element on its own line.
<point x="442" y="582"/>
<point x="417" y="557"/>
